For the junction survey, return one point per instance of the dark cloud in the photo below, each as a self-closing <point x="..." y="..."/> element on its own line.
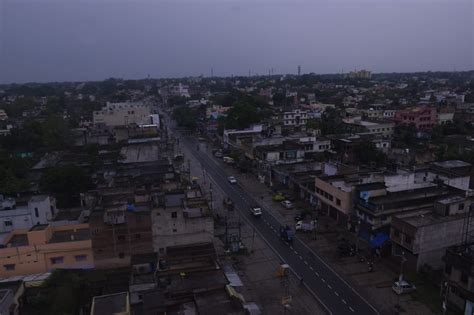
<point x="85" y="40"/>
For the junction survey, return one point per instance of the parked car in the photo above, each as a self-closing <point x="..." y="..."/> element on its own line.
<point x="402" y="287"/>
<point x="305" y="226"/>
<point x="256" y="211"/>
<point x="278" y="197"/>
<point x="232" y="180"/>
<point x="287" y="204"/>
<point x="218" y="154"/>
<point x="228" y="203"/>
<point x="228" y="160"/>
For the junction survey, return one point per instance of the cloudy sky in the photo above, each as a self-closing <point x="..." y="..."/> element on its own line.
<point x="66" y="40"/>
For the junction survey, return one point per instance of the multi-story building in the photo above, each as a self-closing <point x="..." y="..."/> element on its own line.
<point x="123" y="114"/>
<point x="120" y="226"/>
<point x="296" y="118"/>
<point x="458" y="286"/>
<point x="423" y="236"/>
<point x="44" y="248"/>
<point x="286" y="153"/>
<point x="181" y="218"/>
<point x="357" y="125"/>
<point x="375" y="209"/>
<point x="423" y="117"/>
<point x="39" y="209"/>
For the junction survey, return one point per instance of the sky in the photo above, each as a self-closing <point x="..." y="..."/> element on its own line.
<point x="79" y="40"/>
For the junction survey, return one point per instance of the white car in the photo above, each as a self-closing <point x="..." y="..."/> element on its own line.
<point x="256" y="211"/>
<point x="401" y="287"/>
<point x="287" y="204"/>
<point x="232" y="180"/>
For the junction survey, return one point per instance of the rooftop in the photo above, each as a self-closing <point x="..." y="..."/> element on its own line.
<point x="452" y="164"/>
<point x="110" y="304"/>
<point x="39" y="227"/>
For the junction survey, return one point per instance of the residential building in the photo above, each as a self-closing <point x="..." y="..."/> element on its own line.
<point x="358" y="125"/>
<point x="458" y="277"/>
<point x="375" y="209"/>
<point x="39" y="209"/>
<point x="120" y="225"/>
<point x="3" y="115"/>
<point x="423" y="117"/>
<point x="286" y="153"/>
<point x="123" y="114"/>
<point x="181" y="218"/>
<point x="295" y="118"/>
<point x="44" y="248"/>
<point x="230" y="135"/>
<point x="423" y="236"/>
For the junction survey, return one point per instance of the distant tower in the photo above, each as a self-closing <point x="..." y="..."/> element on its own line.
<point x="250" y="72"/>
<point x="212" y="72"/>
<point x="299" y="70"/>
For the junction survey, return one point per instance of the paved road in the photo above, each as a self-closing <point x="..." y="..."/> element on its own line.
<point x="331" y="290"/>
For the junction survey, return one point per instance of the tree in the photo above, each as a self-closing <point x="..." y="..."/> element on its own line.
<point x="405" y="134"/>
<point x="55" y="133"/>
<point x="331" y="122"/>
<point x="246" y="112"/>
<point x="185" y="117"/>
<point x="367" y="153"/>
<point x="66" y="183"/>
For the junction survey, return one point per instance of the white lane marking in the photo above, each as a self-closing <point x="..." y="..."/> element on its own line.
<point x="335" y="292"/>
<point x="352" y="310"/>
<point x="329" y="286"/>
<point x="305" y="262"/>
<point x="311" y="268"/>
<point x="317" y="274"/>
<point x="300" y="257"/>
<point x="344" y="301"/>
<point x="295" y="252"/>
<point x="291" y="247"/>
<point x="322" y="279"/>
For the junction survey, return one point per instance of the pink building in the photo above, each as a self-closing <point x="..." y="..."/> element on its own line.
<point x="423" y="117"/>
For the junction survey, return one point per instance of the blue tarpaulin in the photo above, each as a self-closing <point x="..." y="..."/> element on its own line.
<point x="378" y="240"/>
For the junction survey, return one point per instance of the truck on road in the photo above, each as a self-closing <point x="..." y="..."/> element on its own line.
<point x="305" y="226"/>
<point x="286" y="233"/>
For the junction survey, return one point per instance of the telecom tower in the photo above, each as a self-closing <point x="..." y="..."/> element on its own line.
<point x="299" y="70"/>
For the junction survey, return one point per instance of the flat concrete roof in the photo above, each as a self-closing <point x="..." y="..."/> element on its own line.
<point x="110" y="304"/>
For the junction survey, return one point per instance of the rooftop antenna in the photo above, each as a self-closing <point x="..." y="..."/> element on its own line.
<point x="299" y="70"/>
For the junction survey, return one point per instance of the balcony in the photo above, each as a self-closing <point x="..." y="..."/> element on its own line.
<point x="114" y="217"/>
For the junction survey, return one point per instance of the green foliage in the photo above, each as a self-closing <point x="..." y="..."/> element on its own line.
<point x="13" y="171"/>
<point x="177" y="101"/>
<point x="185" y="117"/>
<point x="331" y="122"/>
<point x="367" y="153"/>
<point x="245" y="112"/>
<point x="16" y="108"/>
<point x="405" y="135"/>
<point x="55" y="133"/>
<point x="66" y="182"/>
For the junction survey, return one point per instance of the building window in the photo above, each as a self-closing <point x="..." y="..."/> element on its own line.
<point x="52" y="210"/>
<point x="447" y="269"/>
<point x="158" y="213"/>
<point x="121" y="237"/>
<point x="338" y="201"/>
<point x="161" y="250"/>
<point x="396" y="233"/>
<point x="174" y="215"/>
<point x="464" y="277"/>
<point x="80" y="257"/>
<point x="57" y="260"/>
<point x="36" y="212"/>
<point x="175" y="230"/>
<point x="9" y="267"/>
<point x="121" y="255"/>
<point x="407" y="239"/>
<point x="7" y="223"/>
<point x="138" y="236"/>
<point x="461" y="206"/>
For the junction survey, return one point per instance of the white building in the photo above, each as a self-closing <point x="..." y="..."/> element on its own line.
<point x="295" y="118"/>
<point x="40" y="209"/>
<point x="122" y="114"/>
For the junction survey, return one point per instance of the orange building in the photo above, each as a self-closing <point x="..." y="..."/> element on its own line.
<point x="44" y="248"/>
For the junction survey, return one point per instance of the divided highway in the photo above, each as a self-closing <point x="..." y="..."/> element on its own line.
<point x="335" y="294"/>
